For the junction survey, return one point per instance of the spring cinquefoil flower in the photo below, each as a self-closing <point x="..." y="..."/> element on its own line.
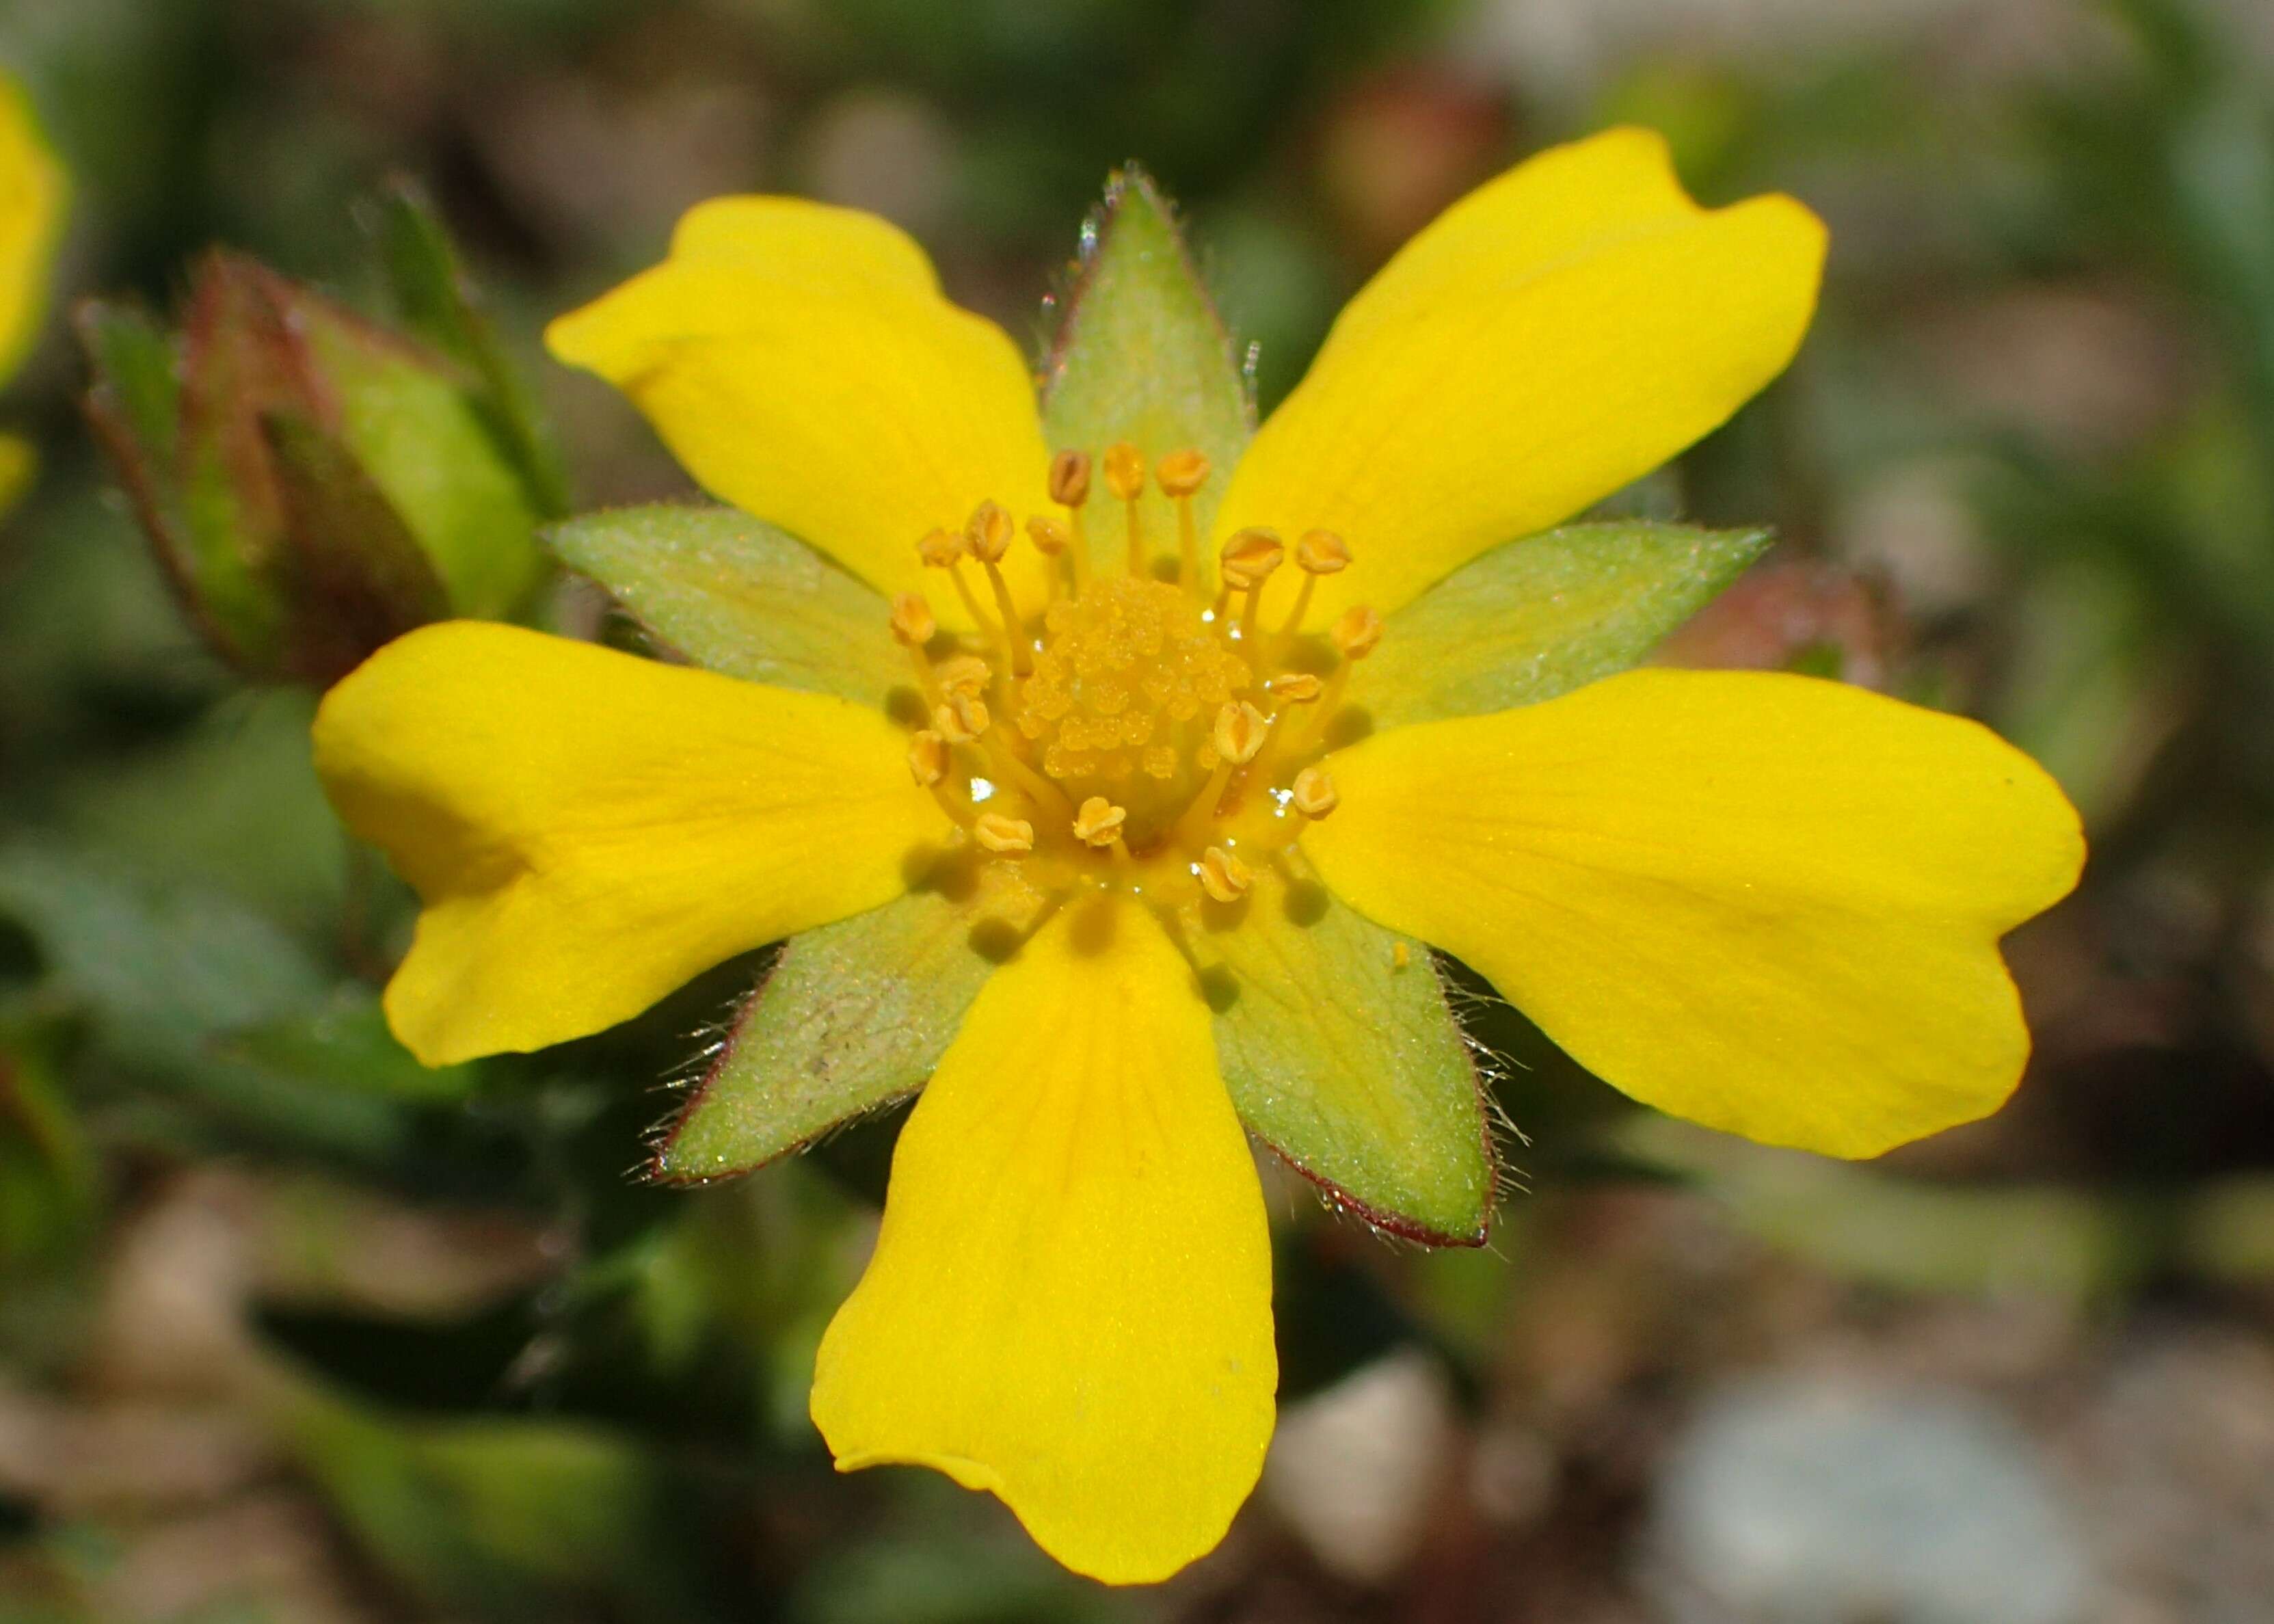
<point x="1113" y="777"/>
<point x="32" y="196"/>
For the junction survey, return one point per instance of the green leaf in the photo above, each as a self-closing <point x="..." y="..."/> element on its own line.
<point x="439" y="304"/>
<point x="346" y="1045"/>
<point x="1545" y="615"/>
<point x="162" y="976"/>
<point x="736" y="595"/>
<point x="495" y="1518"/>
<point x="855" y="1016"/>
<point x="1347" y="1059"/>
<point x="1142" y="356"/>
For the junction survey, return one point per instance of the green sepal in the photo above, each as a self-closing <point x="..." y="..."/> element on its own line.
<point x="738" y="596"/>
<point x="1346" y="1060"/>
<point x="134" y="406"/>
<point x="348" y="560"/>
<point x="1142" y="355"/>
<point x="855" y="1016"/>
<point x="438" y="302"/>
<point x="1542" y="616"/>
<point x="423" y="444"/>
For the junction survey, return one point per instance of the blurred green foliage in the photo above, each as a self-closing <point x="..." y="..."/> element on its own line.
<point x="2025" y="468"/>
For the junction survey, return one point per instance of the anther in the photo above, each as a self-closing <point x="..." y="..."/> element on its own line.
<point x="962" y="719"/>
<point x="964" y="676"/>
<point x="1125" y="471"/>
<point x="1099" y="822"/>
<point x="1239" y="732"/>
<point x="1356" y="631"/>
<point x="928" y="758"/>
<point x="1224" y="876"/>
<point x="1249" y="558"/>
<point x="1296" y="688"/>
<point x="1323" y="552"/>
<point x="913" y="624"/>
<point x="1181" y="474"/>
<point x="1313" y="793"/>
<point x="1070" y="478"/>
<point x="1124" y="477"/>
<point x="1006" y="835"/>
<point x="990" y="532"/>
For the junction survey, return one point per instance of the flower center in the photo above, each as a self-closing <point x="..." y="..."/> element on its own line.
<point x="1161" y="735"/>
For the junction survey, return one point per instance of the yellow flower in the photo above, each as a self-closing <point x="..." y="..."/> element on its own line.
<point x="32" y="192"/>
<point x="1087" y="741"/>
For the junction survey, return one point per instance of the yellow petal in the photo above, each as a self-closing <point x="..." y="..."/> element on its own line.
<point x="32" y="192"/>
<point x="1562" y="331"/>
<point x="587" y="829"/>
<point x="1763" y="902"/>
<point x="1069" y="1303"/>
<point x="800" y="361"/>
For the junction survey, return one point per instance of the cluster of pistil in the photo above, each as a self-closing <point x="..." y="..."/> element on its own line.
<point x="1149" y="734"/>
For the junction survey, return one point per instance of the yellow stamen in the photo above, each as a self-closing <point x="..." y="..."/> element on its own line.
<point x="1237" y="737"/>
<point x="988" y="536"/>
<point x="1314" y="794"/>
<point x="1296" y="688"/>
<point x="1320" y="552"/>
<point x="1005" y="835"/>
<point x="1181" y="474"/>
<point x="943" y="549"/>
<point x="1099" y="822"/>
<point x="913" y="627"/>
<point x="1124" y="477"/>
<point x="1224" y="876"/>
<point x="1051" y="539"/>
<point x="1400" y="956"/>
<point x="1069" y="489"/>
<point x="1246" y="562"/>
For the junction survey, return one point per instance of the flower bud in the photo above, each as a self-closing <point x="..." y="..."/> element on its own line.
<point x="315" y="485"/>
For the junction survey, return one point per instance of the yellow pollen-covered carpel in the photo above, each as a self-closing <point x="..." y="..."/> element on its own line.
<point x="1117" y="726"/>
<point x="1122" y="691"/>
